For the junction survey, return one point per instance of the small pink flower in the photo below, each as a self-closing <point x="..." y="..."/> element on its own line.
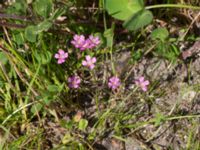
<point x="142" y="83"/>
<point x="114" y="83"/>
<point x="89" y="62"/>
<point x="61" y="56"/>
<point x="78" y="41"/>
<point x="93" y="41"/>
<point x="86" y="45"/>
<point x="74" y="81"/>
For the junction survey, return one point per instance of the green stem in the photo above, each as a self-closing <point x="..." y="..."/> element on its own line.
<point x="183" y="117"/>
<point x="172" y="6"/>
<point x="19" y="109"/>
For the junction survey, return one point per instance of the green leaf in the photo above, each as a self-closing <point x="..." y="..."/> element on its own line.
<point x="43" y="58"/>
<point x="55" y="88"/>
<point x="18" y="7"/>
<point x="109" y="34"/>
<point x="18" y="38"/>
<point x="92" y="135"/>
<point x="1" y="82"/>
<point x="160" y="33"/>
<point x="3" y="58"/>
<point x="43" y="26"/>
<point x="58" y="12"/>
<point x="36" y="108"/>
<point x="175" y="49"/>
<point x="160" y="118"/>
<point x="43" y="7"/>
<point x="69" y="124"/>
<point x="136" y="55"/>
<point x="83" y="123"/>
<point x="138" y="20"/>
<point x="67" y="138"/>
<point x="123" y="9"/>
<point x="52" y="88"/>
<point x="31" y="33"/>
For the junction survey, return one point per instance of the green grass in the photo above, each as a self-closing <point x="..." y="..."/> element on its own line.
<point x="38" y="109"/>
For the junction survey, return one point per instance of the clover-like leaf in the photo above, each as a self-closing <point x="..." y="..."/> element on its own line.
<point x="160" y="33"/>
<point x="138" y="20"/>
<point x="123" y="9"/>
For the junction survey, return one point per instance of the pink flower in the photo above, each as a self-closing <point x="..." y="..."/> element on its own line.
<point x="61" y="56"/>
<point x="114" y="83"/>
<point x="74" y="81"/>
<point x="93" y="41"/>
<point x="89" y="62"/>
<point x="142" y="83"/>
<point x="78" y="41"/>
<point x="86" y="45"/>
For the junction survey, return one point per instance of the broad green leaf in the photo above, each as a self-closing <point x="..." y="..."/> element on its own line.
<point x="82" y="124"/>
<point x="123" y="9"/>
<point x="160" y="33"/>
<point x="43" y="26"/>
<point x="31" y="33"/>
<point x="43" y="7"/>
<point x="18" y="7"/>
<point x="138" y="20"/>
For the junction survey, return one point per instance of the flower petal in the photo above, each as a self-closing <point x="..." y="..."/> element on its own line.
<point x="84" y="63"/>
<point x="61" y="52"/>
<point x="141" y="79"/>
<point x="144" y="88"/>
<point x="94" y="59"/>
<point x="87" y="57"/>
<point x="65" y="55"/>
<point x="57" y="56"/>
<point x="60" y="61"/>
<point x="146" y="82"/>
<point x="91" y="66"/>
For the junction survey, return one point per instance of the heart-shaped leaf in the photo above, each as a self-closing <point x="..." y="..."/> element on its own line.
<point x="123" y="9"/>
<point x="138" y="20"/>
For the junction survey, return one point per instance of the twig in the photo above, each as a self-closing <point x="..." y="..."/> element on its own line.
<point x="18" y="26"/>
<point x="193" y="21"/>
<point x="12" y="16"/>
